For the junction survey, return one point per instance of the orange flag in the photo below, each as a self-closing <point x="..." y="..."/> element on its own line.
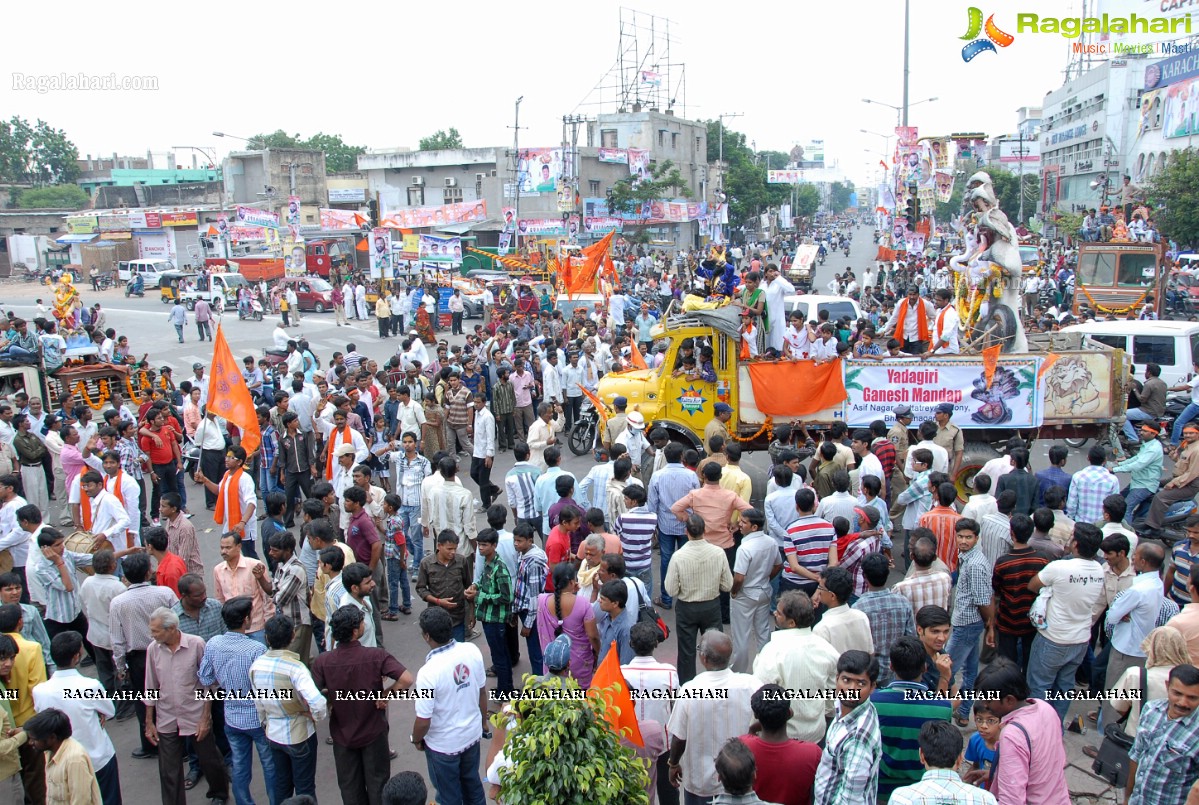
<point x="991" y="362"/>
<point x="636" y="357"/>
<point x="1049" y="362"/>
<point x="228" y="395"/>
<point x="619" y="711"/>
<point x="796" y="388"/>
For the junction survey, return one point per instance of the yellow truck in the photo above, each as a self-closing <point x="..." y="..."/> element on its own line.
<point x="1061" y="388"/>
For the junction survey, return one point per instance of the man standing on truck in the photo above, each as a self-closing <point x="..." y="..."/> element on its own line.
<point x="777" y="288"/>
<point x="946" y="331"/>
<point x="910" y="321"/>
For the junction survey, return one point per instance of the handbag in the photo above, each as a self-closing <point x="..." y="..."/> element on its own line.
<point x="647" y="614"/>
<point x="1112" y="763"/>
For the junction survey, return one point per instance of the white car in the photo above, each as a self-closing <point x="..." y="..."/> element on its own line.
<point x="811" y="304"/>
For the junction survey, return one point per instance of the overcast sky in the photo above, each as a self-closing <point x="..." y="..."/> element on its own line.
<point x="385" y="75"/>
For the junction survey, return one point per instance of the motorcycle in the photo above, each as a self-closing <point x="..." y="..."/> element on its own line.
<point x="254" y="313"/>
<point x="584" y="430"/>
<point x="846" y="250"/>
<point x="135" y="288"/>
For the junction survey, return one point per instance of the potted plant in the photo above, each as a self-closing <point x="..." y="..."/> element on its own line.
<point x="562" y="751"/>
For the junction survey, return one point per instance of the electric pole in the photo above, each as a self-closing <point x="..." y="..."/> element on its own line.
<point x="516" y="174"/>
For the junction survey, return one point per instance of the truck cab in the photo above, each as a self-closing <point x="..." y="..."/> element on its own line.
<point x="325" y="255"/>
<point x="1119" y="278"/>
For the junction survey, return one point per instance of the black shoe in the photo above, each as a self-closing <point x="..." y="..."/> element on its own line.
<point x="142" y="754"/>
<point x="87" y="662"/>
<point x="124" y="714"/>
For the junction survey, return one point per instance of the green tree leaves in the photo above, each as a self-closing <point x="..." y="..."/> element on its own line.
<point x="441" y="140"/>
<point x="339" y="156"/>
<point x="39" y="154"/>
<point x="1175" y="200"/>
<point x="665" y="181"/>
<point x="59" y="196"/>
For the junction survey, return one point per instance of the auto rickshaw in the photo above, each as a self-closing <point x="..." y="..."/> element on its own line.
<point x="168" y="285"/>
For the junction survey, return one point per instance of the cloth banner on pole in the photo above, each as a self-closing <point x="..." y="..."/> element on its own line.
<point x="228" y="395"/>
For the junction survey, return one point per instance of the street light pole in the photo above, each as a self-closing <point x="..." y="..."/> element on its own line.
<point x="906" y="15"/>
<point x="720" y="159"/>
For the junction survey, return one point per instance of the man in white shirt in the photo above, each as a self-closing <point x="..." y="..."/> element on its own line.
<point x="85" y="702"/>
<point x="483" y="452"/>
<point x="928" y="429"/>
<point x="946" y="326"/>
<point x="128" y="492"/>
<point x="699" y="726"/>
<point x="798" y="659"/>
<point x="551" y="378"/>
<point x="777" y="288"/>
<point x="869" y="463"/>
<point x="98" y="512"/>
<point x="843" y="627"/>
<point x="452" y="712"/>
<point x="1132" y="615"/>
<point x="198" y="380"/>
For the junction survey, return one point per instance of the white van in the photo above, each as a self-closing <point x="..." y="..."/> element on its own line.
<point x="1172" y="344"/>
<point x="151" y="271"/>
<point x="810" y="304"/>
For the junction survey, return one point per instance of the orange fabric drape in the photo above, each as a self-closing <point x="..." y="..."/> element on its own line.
<point x="229" y="488"/>
<point x="796" y="388"/>
<point x="618" y="703"/>
<point x="346" y="438"/>
<point x="901" y="310"/>
<point x="583" y="280"/>
<point x="85" y="509"/>
<point x="636" y="357"/>
<point x="991" y="362"/>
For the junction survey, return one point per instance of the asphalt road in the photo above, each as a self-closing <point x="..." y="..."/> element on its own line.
<point x="144" y="321"/>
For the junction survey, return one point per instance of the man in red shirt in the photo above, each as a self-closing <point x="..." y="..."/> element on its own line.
<point x="170" y="567"/>
<point x="786" y="766"/>
<point x="158" y="441"/>
<point x="942" y="521"/>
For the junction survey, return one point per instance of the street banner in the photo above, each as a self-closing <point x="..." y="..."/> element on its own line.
<point x="464" y="212"/>
<point x="410" y="250"/>
<point x="538" y="169"/>
<point x="1178" y="117"/>
<point x="293" y="210"/>
<point x="179" y="218"/>
<point x="944" y="185"/>
<point x="784" y="177"/>
<point x="602" y="226"/>
<point x="940" y="152"/>
<point x="83" y="224"/>
<point x="616" y="156"/>
<point x="240" y="232"/>
<point x="334" y="220"/>
<point x="380" y="252"/>
<point x="256" y="217"/>
<point x="639" y="164"/>
<point x="541" y="227"/>
<point x="649" y="78"/>
<point x="907" y="135"/>
<point x="441" y="249"/>
<point x="508" y="232"/>
<point x="295" y="260"/>
<point x="874" y="390"/>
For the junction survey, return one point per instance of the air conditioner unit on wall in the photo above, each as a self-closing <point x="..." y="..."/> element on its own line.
<point x="451" y="182"/>
<point x="418" y="180"/>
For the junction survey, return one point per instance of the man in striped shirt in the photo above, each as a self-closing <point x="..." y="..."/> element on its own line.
<point x="527" y="584"/>
<point x="520" y="484"/>
<point x="289" y="721"/>
<point x="1009" y="630"/>
<point x="810" y="546"/>
<point x="926" y="585"/>
<point x="289" y="588"/>
<point x="636" y="531"/>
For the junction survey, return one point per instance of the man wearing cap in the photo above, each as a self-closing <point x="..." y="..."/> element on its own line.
<point x="1145" y="466"/>
<point x="199" y="381"/>
<point x="617" y="423"/>
<point x="949" y="436"/>
<point x="719" y="423"/>
<point x="633" y="438"/>
<point x="1183" y="486"/>
<point x="910" y="322"/>
<point x="236" y="500"/>
<point x="556" y="658"/>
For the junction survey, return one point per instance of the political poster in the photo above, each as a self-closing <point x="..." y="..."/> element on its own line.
<point x="873" y="391"/>
<point x="639" y="164"/>
<point x="380" y="251"/>
<point x="334" y="220"/>
<point x="944" y="185"/>
<point x="1178" y="117"/>
<point x="441" y="249"/>
<point x="538" y="169"/>
<point x="508" y="232"/>
<point x="256" y="217"/>
<point x="541" y="227"/>
<point x="295" y="260"/>
<point x="615" y="156"/>
<point x="464" y="212"/>
<point x="293" y="210"/>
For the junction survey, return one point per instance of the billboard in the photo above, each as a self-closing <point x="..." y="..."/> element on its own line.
<point x="1178" y="115"/>
<point x="808" y="154"/>
<point x="538" y="169"/>
<point x="1015" y="151"/>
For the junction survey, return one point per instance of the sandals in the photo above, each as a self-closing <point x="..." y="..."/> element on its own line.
<point x="390" y="616"/>
<point x="961" y="722"/>
<point x="406" y="610"/>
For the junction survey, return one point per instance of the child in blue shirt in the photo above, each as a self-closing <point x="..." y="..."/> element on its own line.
<point x="395" y="551"/>
<point x="983" y="750"/>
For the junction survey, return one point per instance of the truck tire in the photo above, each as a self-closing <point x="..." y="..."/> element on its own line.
<point x="190" y="304"/>
<point x="1076" y="443"/>
<point x="974" y="457"/>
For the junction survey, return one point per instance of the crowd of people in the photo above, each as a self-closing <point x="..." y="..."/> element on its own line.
<point x="834" y="642"/>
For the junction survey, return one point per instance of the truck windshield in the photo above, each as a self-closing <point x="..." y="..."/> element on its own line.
<point x="1097" y="268"/>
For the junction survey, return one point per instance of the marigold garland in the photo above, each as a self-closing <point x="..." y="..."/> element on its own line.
<point x="767" y="428"/>
<point x="1116" y="311"/>
<point x="105" y="391"/>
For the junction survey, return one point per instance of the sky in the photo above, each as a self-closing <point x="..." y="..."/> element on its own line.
<point x="385" y="75"/>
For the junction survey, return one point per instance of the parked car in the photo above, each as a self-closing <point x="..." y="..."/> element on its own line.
<point x="150" y="271"/>
<point x="811" y="304"/>
<point x="312" y="293"/>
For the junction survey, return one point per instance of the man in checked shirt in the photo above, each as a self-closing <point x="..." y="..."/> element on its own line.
<point x="289" y="588"/>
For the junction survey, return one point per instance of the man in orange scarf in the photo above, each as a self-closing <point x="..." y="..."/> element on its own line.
<point x="910" y="322"/>
<point x="236" y="500"/>
<point x="336" y="435"/>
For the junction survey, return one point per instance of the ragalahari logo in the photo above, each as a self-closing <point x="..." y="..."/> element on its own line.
<point x="994" y="36"/>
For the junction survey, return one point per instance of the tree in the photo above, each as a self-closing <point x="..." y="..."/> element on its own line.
<point x="665" y="181"/>
<point x="807" y="201"/>
<point x="59" y="196"/>
<point x="339" y="157"/>
<point x="1007" y="192"/>
<point x="838" y="197"/>
<point x="563" y="751"/>
<point x="1176" y="204"/>
<point x="441" y="140"/>
<point x="38" y="154"/>
<point x="745" y="178"/>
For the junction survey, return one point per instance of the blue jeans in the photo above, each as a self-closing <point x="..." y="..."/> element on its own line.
<point x="267" y="482"/>
<point x="179" y="332"/>
<point x="414" y="532"/>
<point x="963" y="650"/>
<point x="647" y="578"/>
<point x="1135" y="415"/>
<point x="459" y="632"/>
<point x="1138" y="500"/>
<point x="295" y="769"/>
<point x="667" y="543"/>
<point x="15" y="353"/>
<point x="243" y="742"/>
<point x="181" y="487"/>
<point x="456" y="777"/>
<point x="397" y="579"/>
<point x="536" y="657"/>
<point x="497" y="644"/>
<point x="1188" y="413"/>
<point x="1051" y="668"/>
